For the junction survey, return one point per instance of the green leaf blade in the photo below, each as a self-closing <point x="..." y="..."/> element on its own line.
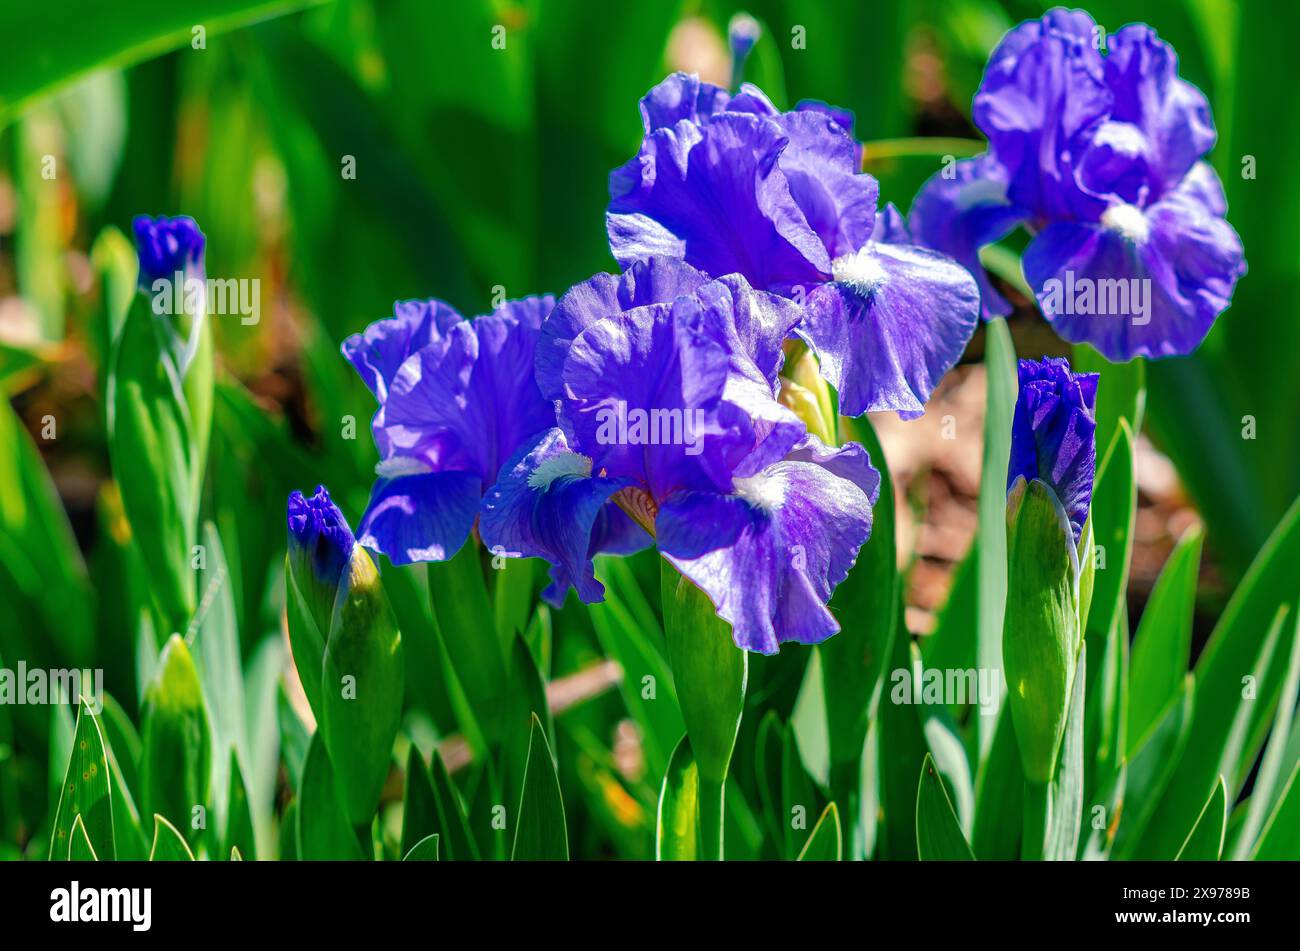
<point x="540" y="831"/>
<point x="938" y="833"/>
<point x="85" y="798"/>
<point x="677" y="823"/>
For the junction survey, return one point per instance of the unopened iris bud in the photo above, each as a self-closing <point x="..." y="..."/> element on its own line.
<point x="166" y="246"/>
<point x="320" y="544"/>
<point x="173" y="273"/>
<point x="1051" y="470"/>
<point x="320" y="547"/>
<point x="742" y="33"/>
<point x="1054" y="435"/>
<point x="362" y="679"/>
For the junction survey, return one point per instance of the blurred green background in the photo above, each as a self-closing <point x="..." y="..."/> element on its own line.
<point x="479" y="171"/>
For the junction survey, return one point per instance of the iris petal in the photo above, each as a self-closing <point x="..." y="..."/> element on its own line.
<point x="547" y="505"/>
<point x="380" y="350"/>
<point x="960" y="214"/>
<point x="1154" y="288"/>
<point x="822" y="165"/>
<point x="714" y="195"/>
<point x="1042" y="95"/>
<point x="657" y="280"/>
<point x="424" y="517"/>
<point x="1173" y="115"/>
<point x="894" y="322"/>
<point x="770" y="555"/>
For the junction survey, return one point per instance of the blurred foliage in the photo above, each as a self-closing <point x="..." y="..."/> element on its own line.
<point x="481" y="171"/>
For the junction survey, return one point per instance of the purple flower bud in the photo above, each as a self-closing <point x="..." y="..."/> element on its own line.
<point x="167" y="245"/>
<point x="742" y="33"/>
<point x="320" y="541"/>
<point x="1053" y="434"/>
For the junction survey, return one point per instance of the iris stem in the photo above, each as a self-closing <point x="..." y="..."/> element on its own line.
<point x="883" y="149"/>
<point x="710" y="673"/>
<point x="712" y="818"/>
<point x="1037" y="815"/>
<point x="846" y="782"/>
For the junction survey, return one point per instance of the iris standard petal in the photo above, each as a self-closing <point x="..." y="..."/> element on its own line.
<point x="682" y="96"/>
<point x="470" y="398"/>
<point x="645" y="402"/>
<point x="1042" y="95"/>
<point x="428" y="414"/>
<point x="657" y="280"/>
<point x="714" y="195"/>
<point x="823" y="166"/>
<point x="504" y="378"/>
<point x="1172" y="114"/>
<point x="752" y="325"/>
<point x="379" y="351"/>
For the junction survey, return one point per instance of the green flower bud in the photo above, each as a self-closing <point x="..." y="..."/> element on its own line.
<point x="176" y="739"/>
<point x="320" y="545"/>
<point x="1041" y="632"/>
<point x="362" y="680"/>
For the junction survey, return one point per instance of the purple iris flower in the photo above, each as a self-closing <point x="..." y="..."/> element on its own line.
<point x="731" y="185"/>
<point x="166" y="246"/>
<point x="1099" y="155"/>
<point x="456" y="399"/>
<point x="666" y="387"/>
<point x="319" y="537"/>
<point x="1053" y="434"/>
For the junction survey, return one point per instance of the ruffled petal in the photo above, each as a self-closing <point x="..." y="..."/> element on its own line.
<point x="657" y="280"/>
<point x="843" y="117"/>
<point x="428" y="415"/>
<point x="1043" y="93"/>
<point x="751" y="325"/>
<point x="713" y="194"/>
<point x="771" y="555"/>
<point x="1173" y="115"/>
<point x="504" y="379"/>
<point x="469" y="399"/>
<point x="822" y="165"/>
<point x="849" y="461"/>
<point x="1141" y="282"/>
<point x="380" y="350"/>
<point x="423" y="517"/>
<point x="547" y="505"/>
<point x="960" y="214"/>
<point x="894" y="321"/>
<point x="1116" y="165"/>
<point x="682" y="96"/>
<point x="645" y="402"/>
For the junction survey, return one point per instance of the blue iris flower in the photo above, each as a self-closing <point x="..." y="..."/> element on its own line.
<point x="1101" y="157"/>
